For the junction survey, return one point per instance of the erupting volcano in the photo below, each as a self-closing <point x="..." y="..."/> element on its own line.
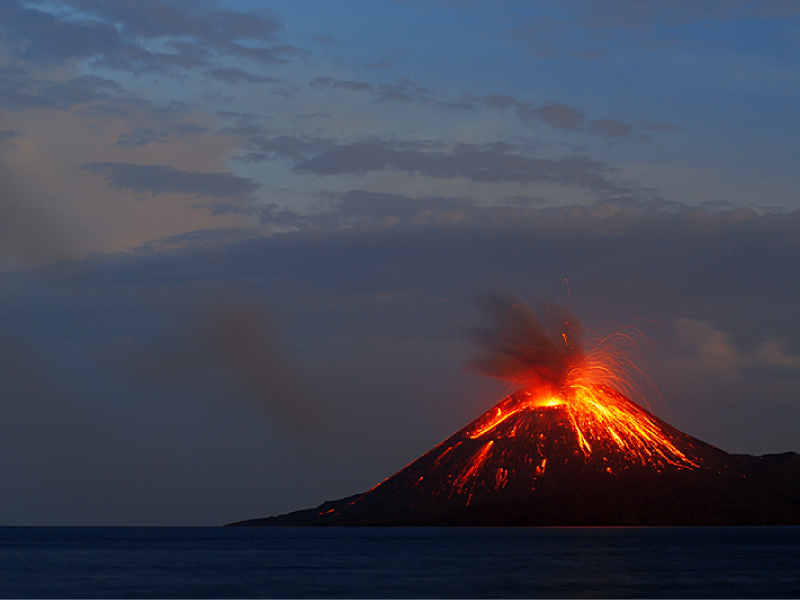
<point x="569" y="448"/>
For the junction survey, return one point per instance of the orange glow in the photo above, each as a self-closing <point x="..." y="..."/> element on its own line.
<point x="533" y="400"/>
<point x="602" y="418"/>
<point x="476" y="464"/>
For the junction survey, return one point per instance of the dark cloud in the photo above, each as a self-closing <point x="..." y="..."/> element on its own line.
<point x="328" y="82"/>
<point x="568" y="118"/>
<point x="95" y="97"/>
<point x="630" y="14"/>
<point x="489" y="163"/>
<point x="322" y="39"/>
<point x="361" y="207"/>
<point x="245" y="127"/>
<point x="585" y="29"/>
<point x="520" y="200"/>
<point x="560" y="116"/>
<point x="500" y="102"/>
<point x="404" y="91"/>
<point x="610" y="128"/>
<point x="35" y="34"/>
<point x="163" y="179"/>
<point x="115" y="35"/>
<point x="237" y="76"/>
<point x="137" y="109"/>
<point x="141" y="136"/>
<point x="287" y="146"/>
<point x="227" y="208"/>
<point x="480" y="163"/>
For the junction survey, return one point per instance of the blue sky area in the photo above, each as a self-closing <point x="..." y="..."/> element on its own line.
<point x="242" y="243"/>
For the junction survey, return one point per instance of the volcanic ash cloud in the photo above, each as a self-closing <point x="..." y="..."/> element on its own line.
<point x="519" y="347"/>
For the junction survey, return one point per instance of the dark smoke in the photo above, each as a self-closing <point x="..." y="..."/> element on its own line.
<point x="230" y="350"/>
<point x="29" y="235"/>
<point x="519" y="347"/>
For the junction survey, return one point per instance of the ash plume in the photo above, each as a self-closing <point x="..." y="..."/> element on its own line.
<point x="518" y="346"/>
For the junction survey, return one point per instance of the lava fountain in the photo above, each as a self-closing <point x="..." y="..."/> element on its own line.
<point x="557" y="370"/>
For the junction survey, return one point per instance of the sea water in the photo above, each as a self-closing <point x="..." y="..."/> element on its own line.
<point x="191" y="562"/>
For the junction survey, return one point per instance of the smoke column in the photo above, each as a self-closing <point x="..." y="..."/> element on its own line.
<point x="519" y="347"/>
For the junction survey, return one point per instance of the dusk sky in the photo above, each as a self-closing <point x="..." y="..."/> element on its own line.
<point x="243" y="243"/>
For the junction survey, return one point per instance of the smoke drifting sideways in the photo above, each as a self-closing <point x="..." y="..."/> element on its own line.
<point x="29" y="235"/>
<point x="518" y="347"/>
<point x="224" y="350"/>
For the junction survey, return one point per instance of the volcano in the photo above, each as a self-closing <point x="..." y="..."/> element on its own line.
<point x="568" y="449"/>
<point x="535" y="459"/>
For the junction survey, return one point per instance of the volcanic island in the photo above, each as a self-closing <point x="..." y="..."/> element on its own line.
<point x="568" y="449"/>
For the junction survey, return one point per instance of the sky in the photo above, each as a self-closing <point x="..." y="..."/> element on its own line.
<point x="244" y="245"/>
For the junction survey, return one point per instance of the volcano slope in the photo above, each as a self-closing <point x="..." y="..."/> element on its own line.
<point x="597" y="458"/>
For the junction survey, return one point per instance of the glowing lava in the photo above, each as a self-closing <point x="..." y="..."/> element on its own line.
<point x="602" y="420"/>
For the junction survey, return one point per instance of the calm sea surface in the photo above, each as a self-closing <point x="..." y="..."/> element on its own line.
<point x="399" y="562"/>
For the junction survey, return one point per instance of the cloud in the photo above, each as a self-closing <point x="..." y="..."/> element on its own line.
<point x="41" y="35"/>
<point x="500" y="102"/>
<point x="486" y="163"/>
<point x="584" y="29"/>
<point x="237" y="76"/>
<point x="141" y="136"/>
<point x="560" y="116"/>
<point x="610" y="128"/>
<point x="714" y="349"/>
<point x="477" y="163"/>
<point x="567" y="118"/>
<point x="635" y="15"/>
<point x="163" y="179"/>
<point x="711" y="349"/>
<point x="117" y="36"/>
<point x="338" y="84"/>
<point x="404" y="91"/>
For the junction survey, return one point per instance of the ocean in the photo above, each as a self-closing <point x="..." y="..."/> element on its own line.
<point x="207" y="562"/>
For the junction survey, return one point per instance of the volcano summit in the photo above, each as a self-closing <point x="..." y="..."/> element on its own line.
<point x="569" y="449"/>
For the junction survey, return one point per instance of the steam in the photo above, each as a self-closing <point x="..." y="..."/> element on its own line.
<point x="519" y="347"/>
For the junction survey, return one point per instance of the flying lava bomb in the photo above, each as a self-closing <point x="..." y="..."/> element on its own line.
<point x="569" y="448"/>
